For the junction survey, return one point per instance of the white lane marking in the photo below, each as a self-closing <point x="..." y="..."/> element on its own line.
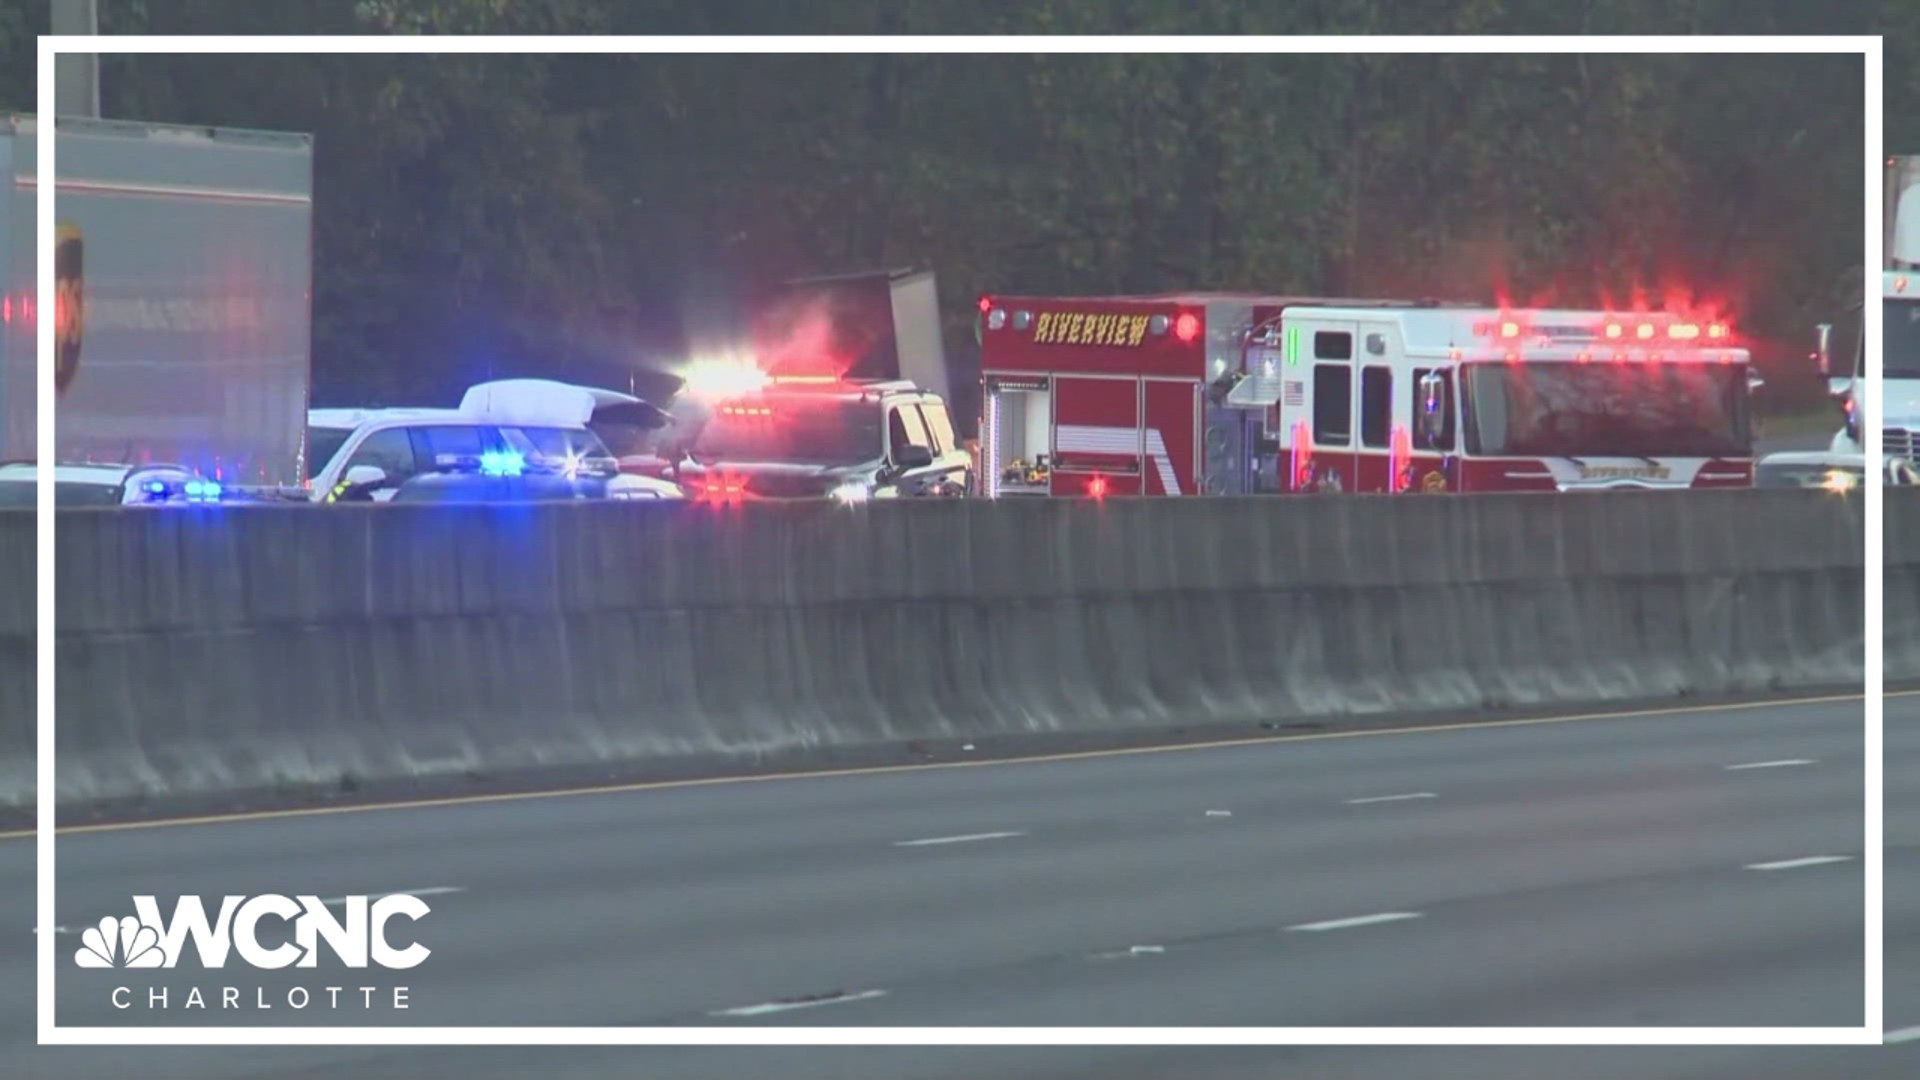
<point x="1129" y="952"/>
<point x="437" y="890"/>
<point x="1219" y="813"/>
<point x="1785" y="764"/>
<point x="967" y="839"/>
<point x="1393" y="798"/>
<point x="1795" y="864"/>
<point x="789" y="1006"/>
<point x="1357" y="920"/>
<point x="1903" y="1035"/>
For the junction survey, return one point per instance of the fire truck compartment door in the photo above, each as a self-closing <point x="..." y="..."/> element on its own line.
<point x="1096" y="425"/>
<point x="1172" y="423"/>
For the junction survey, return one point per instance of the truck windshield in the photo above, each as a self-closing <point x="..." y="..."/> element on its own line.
<point x="1902" y="333"/>
<point x="1607" y="410"/>
<point x="792" y="430"/>
<point x="322" y="444"/>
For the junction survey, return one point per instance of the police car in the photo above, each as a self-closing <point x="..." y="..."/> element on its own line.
<point x="110" y="485"/>
<point x="502" y="430"/>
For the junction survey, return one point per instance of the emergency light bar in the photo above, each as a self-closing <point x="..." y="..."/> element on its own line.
<point x="198" y="491"/>
<point x="1646" y="328"/>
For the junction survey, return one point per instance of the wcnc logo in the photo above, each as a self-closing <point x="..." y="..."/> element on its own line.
<point x="150" y="941"/>
<point x="357" y="936"/>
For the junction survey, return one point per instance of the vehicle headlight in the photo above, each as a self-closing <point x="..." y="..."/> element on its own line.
<point x="852" y="493"/>
<point x="1840" y="481"/>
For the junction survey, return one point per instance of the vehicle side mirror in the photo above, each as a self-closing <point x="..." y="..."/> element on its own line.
<point x="366" y="476"/>
<point x="913" y="457"/>
<point x="1433" y="407"/>
<point x="1823" y="349"/>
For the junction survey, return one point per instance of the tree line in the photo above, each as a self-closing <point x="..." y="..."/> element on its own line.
<point x="590" y="215"/>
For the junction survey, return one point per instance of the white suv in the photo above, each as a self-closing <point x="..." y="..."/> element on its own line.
<point x="368" y="454"/>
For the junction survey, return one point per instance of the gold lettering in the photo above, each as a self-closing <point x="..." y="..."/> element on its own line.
<point x="1137" y="330"/>
<point x="1107" y="323"/>
<point x="1074" y="323"/>
<point x="1042" y="328"/>
<point x="1096" y="329"/>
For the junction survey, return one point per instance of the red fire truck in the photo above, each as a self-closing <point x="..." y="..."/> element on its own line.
<point x="1226" y="395"/>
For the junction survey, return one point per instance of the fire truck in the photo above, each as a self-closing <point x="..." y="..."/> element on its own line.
<point x="1231" y="395"/>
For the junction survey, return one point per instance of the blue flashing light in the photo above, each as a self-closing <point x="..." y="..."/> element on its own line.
<point x="203" y="489"/>
<point x="502" y="463"/>
<point x="156" y="487"/>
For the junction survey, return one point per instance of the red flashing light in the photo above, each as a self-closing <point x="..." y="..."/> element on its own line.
<point x="1716" y="330"/>
<point x="805" y="380"/>
<point x="1645" y="331"/>
<point x="1614" y="330"/>
<point x="1455" y="355"/>
<point x="1619" y="358"/>
<point x="1097" y="487"/>
<point x="1653" y="358"/>
<point x="986" y="304"/>
<point x="1509" y="329"/>
<point x="1585" y="357"/>
<point x="747" y="410"/>
<point x="1683" y="331"/>
<point x="725" y="489"/>
<point x="1513" y="356"/>
<point x="1900" y="283"/>
<point x="6" y="311"/>
<point x="1187" y="326"/>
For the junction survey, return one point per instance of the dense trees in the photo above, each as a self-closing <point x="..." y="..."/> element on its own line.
<point x="568" y="213"/>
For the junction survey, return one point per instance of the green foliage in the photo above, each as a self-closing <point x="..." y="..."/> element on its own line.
<point x="536" y="212"/>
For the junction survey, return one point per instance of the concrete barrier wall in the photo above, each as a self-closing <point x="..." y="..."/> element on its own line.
<point x="228" y="649"/>
<point x="17" y="613"/>
<point x="1901" y="589"/>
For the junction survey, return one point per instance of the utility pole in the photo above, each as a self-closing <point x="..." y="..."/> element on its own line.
<point x="76" y="78"/>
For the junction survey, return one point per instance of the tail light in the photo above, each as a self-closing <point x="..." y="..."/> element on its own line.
<point x="725" y="489"/>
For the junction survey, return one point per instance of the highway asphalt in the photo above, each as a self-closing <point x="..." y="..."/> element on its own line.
<point x="1668" y="869"/>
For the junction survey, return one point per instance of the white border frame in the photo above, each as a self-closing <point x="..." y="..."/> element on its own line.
<point x="51" y="1034"/>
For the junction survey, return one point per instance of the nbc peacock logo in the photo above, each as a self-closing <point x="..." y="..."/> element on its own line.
<point x="120" y="943"/>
